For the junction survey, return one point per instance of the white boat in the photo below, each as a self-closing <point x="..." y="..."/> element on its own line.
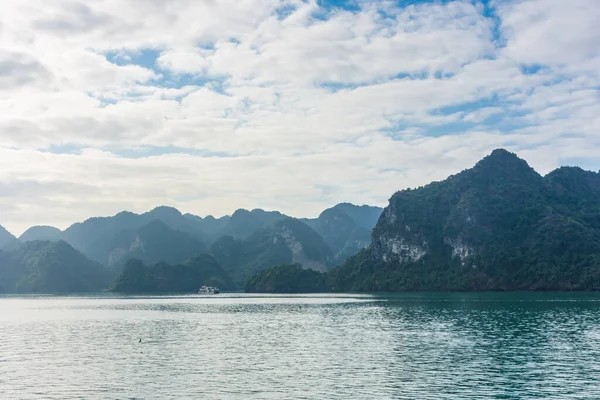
<point x="208" y="290"/>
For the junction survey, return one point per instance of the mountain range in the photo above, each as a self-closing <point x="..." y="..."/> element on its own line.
<point x="243" y="243"/>
<point x="498" y="226"/>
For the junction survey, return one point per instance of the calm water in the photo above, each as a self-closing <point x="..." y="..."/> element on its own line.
<point x="454" y="346"/>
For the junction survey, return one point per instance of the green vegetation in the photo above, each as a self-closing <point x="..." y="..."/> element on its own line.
<point x="50" y="267"/>
<point x="283" y="242"/>
<point x="287" y="279"/>
<point x="497" y="226"/>
<point x="342" y="229"/>
<point x="164" y="278"/>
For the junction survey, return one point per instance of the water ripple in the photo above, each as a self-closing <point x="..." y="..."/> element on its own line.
<point x="301" y="347"/>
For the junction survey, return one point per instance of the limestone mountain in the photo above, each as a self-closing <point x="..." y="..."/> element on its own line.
<point x="209" y="225"/>
<point x="50" y="267"/>
<point x="496" y="226"/>
<point x="84" y="235"/>
<point x="363" y="216"/>
<point x="41" y="232"/>
<point x="257" y="238"/>
<point x="288" y="241"/>
<point x="244" y="223"/>
<point x="346" y="228"/>
<point x="151" y="243"/>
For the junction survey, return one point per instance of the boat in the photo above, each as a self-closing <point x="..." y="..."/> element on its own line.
<point x="208" y="290"/>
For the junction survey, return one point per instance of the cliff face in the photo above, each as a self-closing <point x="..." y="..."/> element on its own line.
<point x="284" y="242"/>
<point x="497" y="226"/>
<point x="346" y="228"/>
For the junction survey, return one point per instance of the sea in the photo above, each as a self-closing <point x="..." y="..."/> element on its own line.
<point x="328" y="346"/>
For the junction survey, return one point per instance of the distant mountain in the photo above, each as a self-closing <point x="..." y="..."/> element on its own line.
<point x="210" y="225"/>
<point x="244" y="242"/>
<point x="346" y="228"/>
<point x="82" y="234"/>
<point x="286" y="241"/>
<point x="364" y="216"/>
<point x="187" y="277"/>
<point x="50" y="267"/>
<point x="244" y="223"/>
<point x="7" y="240"/>
<point x="497" y="226"/>
<point x="151" y="243"/>
<point x="287" y="279"/>
<point x="173" y="218"/>
<point x="85" y="235"/>
<point x="41" y="232"/>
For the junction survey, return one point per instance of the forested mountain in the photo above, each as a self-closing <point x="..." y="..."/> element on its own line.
<point x="286" y="241"/>
<point x="7" y="240"/>
<point x="346" y="228"/>
<point x="50" y="267"/>
<point x="497" y="226"/>
<point x="244" y="243"/>
<point x="151" y="243"/>
<point x="287" y="279"/>
<point x="244" y="223"/>
<point x="41" y="232"/>
<point x="85" y="235"/>
<point x="210" y="226"/>
<point x="164" y="278"/>
<point x="363" y="216"/>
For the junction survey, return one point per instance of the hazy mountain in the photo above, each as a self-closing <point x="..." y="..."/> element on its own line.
<point x="244" y="223"/>
<point x="151" y="243"/>
<point x="85" y="235"/>
<point x="82" y="234"/>
<point x="497" y="226"/>
<point x="285" y="241"/>
<point x="50" y="267"/>
<point x="174" y="219"/>
<point x="164" y="278"/>
<point x="346" y="228"/>
<point x="363" y="216"/>
<point x="256" y="239"/>
<point x="209" y="225"/>
<point x="41" y="232"/>
<point x="7" y="240"/>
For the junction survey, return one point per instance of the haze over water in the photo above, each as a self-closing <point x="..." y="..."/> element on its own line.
<point x="426" y="346"/>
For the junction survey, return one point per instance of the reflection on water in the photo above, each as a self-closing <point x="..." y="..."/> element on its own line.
<point x="426" y="346"/>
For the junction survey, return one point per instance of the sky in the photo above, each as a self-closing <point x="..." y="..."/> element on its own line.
<point x="214" y="105"/>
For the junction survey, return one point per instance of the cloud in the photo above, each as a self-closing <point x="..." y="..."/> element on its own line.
<point x="290" y="105"/>
<point x="17" y="69"/>
<point x="551" y="32"/>
<point x="482" y="114"/>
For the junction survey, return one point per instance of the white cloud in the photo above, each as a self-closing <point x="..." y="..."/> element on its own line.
<point x="482" y="114"/>
<point x="551" y="32"/>
<point x="280" y="104"/>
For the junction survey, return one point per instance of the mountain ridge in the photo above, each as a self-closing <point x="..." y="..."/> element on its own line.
<point x="481" y="229"/>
